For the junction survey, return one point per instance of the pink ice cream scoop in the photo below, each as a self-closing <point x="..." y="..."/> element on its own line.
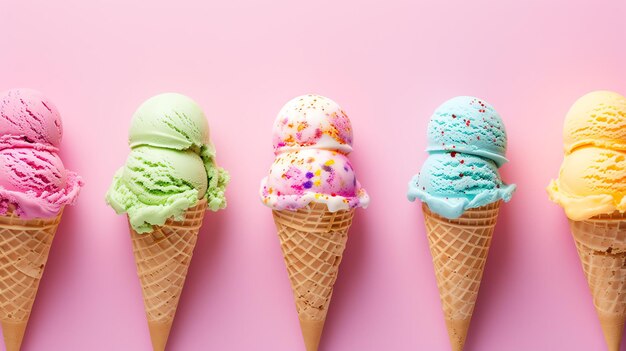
<point x="312" y="137"/>
<point x="33" y="180"/>
<point x="36" y="182"/>
<point x="26" y="113"/>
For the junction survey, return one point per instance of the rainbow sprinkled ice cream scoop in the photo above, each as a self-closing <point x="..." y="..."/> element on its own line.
<point x="466" y="146"/>
<point x="312" y="121"/>
<point x="312" y="137"/>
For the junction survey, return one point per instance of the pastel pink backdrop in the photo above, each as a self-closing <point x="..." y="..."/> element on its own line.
<point x="389" y="64"/>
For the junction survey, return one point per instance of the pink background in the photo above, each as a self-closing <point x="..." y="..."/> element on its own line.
<point x="389" y="64"/>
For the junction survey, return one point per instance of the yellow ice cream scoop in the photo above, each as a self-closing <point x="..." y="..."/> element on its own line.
<point x="597" y="118"/>
<point x="592" y="181"/>
<point x="591" y="188"/>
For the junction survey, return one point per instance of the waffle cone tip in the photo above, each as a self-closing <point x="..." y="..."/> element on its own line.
<point x="457" y="332"/>
<point x="459" y="248"/>
<point x="159" y="333"/>
<point x="612" y="328"/>
<point x="312" y="240"/>
<point x="311" y="333"/>
<point x="162" y="259"/>
<point x="13" y="334"/>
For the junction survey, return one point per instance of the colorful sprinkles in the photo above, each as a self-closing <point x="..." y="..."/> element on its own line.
<point x="312" y="136"/>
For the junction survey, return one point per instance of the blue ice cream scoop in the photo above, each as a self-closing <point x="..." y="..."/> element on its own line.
<point x="466" y="145"/>
<point x="469" y="125"/>
<point x="451" y="182"/>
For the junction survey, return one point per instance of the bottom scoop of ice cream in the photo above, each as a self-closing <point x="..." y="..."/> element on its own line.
<point x="156" y="184"/>
<point x="300" y="177"/>
<point x="34" y="182"/>
<point x="451" y="183"/>
<point x="592" y="181"/>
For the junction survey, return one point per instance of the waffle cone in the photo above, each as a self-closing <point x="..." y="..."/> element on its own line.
<point x="601" y="244"/>
<point x="312" y="240"/>
<point x="162" y="259"/>
<point x="459" y="248"/>
<point x="24" y="248"/>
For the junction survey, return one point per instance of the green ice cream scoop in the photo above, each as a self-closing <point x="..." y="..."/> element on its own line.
<point x="170" y="167"/>
<point x="155" y="184"/>
<point x="169" y="120"/>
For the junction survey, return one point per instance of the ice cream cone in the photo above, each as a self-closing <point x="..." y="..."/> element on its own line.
<point x="313" y="240"/>
<point x="601" y="244"/>
<point x="24" y="248"/>
<point x="163" y="257"/>
<point x="459" y="248"/>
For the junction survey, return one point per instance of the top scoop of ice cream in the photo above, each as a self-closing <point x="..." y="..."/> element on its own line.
<point x="169" y="120"/>
<point x="27" y="114"/>
<point x="599" y="119"/>
<point x="312" y="121"/>
<point x="469" y="125"/>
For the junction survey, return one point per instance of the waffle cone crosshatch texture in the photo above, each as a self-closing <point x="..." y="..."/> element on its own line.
<point x="24" y="248"/>
<point x="601" y="245"/>
<point x="459" y="248"/>
<point x="312" y="240"/>
<point x="162" y="258"/>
